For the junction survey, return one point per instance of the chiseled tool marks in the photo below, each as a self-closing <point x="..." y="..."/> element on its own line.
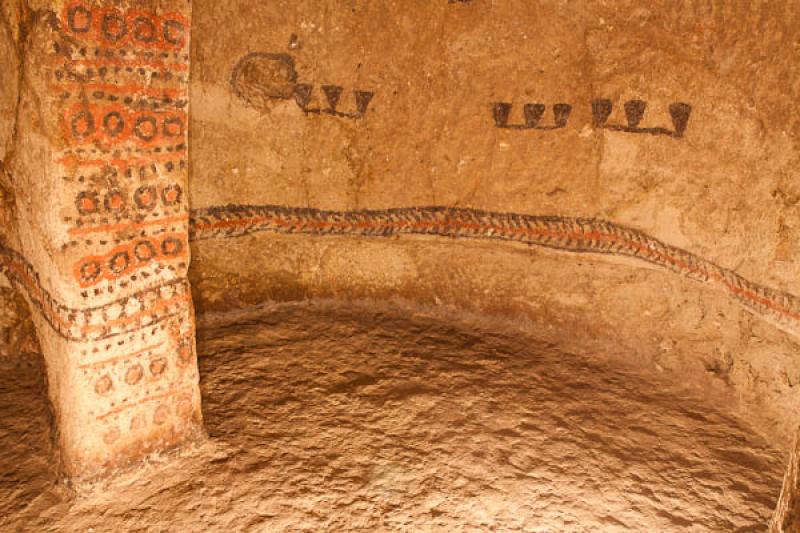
<point x="569" y="234"/>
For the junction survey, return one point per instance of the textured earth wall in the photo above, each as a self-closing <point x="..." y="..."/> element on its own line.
<point x="606" y="174"/>
<point x="674" y="120"/>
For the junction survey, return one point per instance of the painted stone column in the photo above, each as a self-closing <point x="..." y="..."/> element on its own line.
<point x="100" y="173"/>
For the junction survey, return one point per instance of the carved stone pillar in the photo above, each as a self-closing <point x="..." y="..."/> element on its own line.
<point x="99" y="170"/>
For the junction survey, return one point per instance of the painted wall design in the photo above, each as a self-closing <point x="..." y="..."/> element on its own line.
<point x="117" y="80"/>
<point x="601" y="110"/>
<point x="121" y="80"/>
<point x="260" y="76"/>
<point x="569" y="234"/>
<point x="107" y="272"/>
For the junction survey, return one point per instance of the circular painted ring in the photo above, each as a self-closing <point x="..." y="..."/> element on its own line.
<point x="72" y="16"/>
<point x="174" y="32"/>
<point x="119" y="262"/>
<point x="109" y="19"/>
<point x="88" y="120"/>
<point x="144" y="30"/>
<point x="144" y="251"/>
<point x="171" y="246"/>
<point x="143" y="134"/>
<point x="114" y="128"/>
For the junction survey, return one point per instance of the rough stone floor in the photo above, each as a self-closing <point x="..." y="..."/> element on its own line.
<point x="327" y="417"/>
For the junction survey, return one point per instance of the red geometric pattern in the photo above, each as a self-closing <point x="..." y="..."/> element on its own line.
<point x="577" y="235"/>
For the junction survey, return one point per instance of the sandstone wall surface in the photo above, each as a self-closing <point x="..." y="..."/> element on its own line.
<point x="673" y="118"/>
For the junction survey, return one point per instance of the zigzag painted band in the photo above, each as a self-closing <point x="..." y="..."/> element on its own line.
<point x="577" y="235"/>
<point x="145" y="308"/>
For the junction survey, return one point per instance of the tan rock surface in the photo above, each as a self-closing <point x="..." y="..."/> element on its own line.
<point x="726" y="190"/>
<point x="674" y="118"/>
<point x="362" y="418"/>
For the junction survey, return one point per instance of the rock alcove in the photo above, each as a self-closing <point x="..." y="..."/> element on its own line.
<point x="405" y="266"/>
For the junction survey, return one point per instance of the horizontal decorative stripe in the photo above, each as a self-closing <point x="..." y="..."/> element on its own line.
<point x="568" y="234"/>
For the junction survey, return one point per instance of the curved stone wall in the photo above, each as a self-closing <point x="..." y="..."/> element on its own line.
<point x="666" y="119"/>
<point x="552" y="164"/>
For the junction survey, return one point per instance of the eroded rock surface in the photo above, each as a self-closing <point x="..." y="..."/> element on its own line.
<point x="364" y="418"/>
<point x="667" y="118"/>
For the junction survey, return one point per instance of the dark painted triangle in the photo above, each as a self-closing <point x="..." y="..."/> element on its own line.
<point x="561" y="114"/>
<point x="533" y="114"/>
<point x="500" y="112"/>
<point x="634" y="111"/>
<point x="332" y="95"/>
<point x="363" y="98"/>
<point x="601" y="110"/>
<point x="302" y="94"/>
<point x="680" y="113"/>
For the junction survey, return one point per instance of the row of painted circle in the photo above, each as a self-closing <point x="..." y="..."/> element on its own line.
<point x="115" y="201"/>
<point x="116" y="28"/>
<point x="144" y="251"/>
<point x="161" y="414"/>
<point x="134" y="375"/>
<point x="119" y="125"/>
